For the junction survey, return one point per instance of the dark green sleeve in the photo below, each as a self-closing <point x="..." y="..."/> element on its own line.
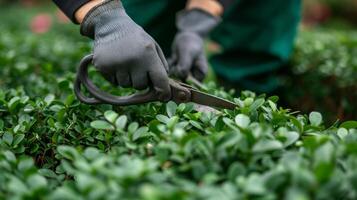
<point x="69" y="7"/>
<point x="226" y="3"/>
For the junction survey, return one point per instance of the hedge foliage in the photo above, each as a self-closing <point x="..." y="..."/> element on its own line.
<point x="324" y="74"/>
<point x="53" y="147"/>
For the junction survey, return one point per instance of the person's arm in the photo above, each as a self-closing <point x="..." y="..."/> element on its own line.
<point x="123" y="52"/>
<point x="76" y="9"/>
<point x="194" y="24"/>
<point x="214" y="7"/>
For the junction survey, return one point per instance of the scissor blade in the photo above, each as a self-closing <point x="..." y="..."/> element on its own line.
<point x="210" y="100"/>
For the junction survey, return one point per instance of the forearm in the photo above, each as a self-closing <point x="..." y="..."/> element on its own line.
<point x="76" y="9"/>
<point x="83" y="10"/>
<point x="214" y="7"/>
<point x="211" y="6"/>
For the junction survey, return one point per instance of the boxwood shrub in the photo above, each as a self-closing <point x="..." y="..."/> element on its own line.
<point x="53" y="147"/>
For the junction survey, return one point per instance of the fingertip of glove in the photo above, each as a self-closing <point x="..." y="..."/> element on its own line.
<point x="164" y="95"/>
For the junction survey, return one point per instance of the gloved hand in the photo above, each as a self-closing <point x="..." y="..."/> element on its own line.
<point x="188" y="53"/>
<point x="123" y="52"/>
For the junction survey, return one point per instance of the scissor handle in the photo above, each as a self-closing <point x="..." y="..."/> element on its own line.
<point x="101" y="97"/>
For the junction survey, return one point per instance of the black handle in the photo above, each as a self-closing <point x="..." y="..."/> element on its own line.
<point x="101" y="97"/>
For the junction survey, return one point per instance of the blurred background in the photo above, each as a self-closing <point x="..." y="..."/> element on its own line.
<point x="38" y="39"/>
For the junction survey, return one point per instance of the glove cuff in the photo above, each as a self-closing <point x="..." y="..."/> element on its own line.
<point x="197" y="21"/>
<point x="99" y="16"/>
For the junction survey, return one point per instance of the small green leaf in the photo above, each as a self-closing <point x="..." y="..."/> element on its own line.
<point x="67" y="152"/>
<point x="28" y="108"/>
<point x="248" y="101"/>
<point x="13" y="103"/>
<point x="10" y="156"/>
<point x="133" y="127"/>
<point x="291" y="138"/>
<point x="342" y="133"/>
<point x="267" y="145"/>
<point x="189" y="107"/>
<point x="297" y="124"/>
<point x="162" y="118"/>
<point x="349" y="124"/>
<point x="49" y="99"/>
<point x="8" y="138"/>
<point x="142" y="131"/>
<point x="120" y="123"/>
<point x="91" y="153"/>
<point x="17" y="139"/>
<point x="242" y="120"/>
<point x="69" y="100"/>
<point x="257" y="104"/>
<point x="36" y="181"/>
<point x="171" y="108"/>
<point x="47" y="173"/>
<point x="101" y="125"/>
<point x="172" y="122"/>
<point x="255" y="185"/>
<point x="111" y="116"/>
<point x="25" y="164"/>
<point x="196" y="124"/>
<point x="315" y="118"/>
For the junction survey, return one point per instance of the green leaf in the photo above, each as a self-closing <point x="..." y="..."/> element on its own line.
<point x="141" y="132"/>
<point x="101" y="125"/>
<point x="172" y="122"/>
<point x="111" y="116"/>
<point x="267" y="145"/>
<point x="49" y="99"/>
<point x="242" y="120"/>
<point x="29" y="108"/>
<point x="315" y="118"/>
<point x="36" y="181"/>
<point x="16" y="186"/>
<point x="196" y="124"/>
<point x="349" y="125"/>
<point x="47" y="173"/>
<point x="295" y="193"/>
<point x="91" y="153"/>
<point x="291" y="138"/>
<point x="10" y="156"/>
<point x="297" y="123"/>
<point x="248" y="101"/>
<point x="13" y="103"/>
<point x="255" y="185"/>
<point x="120" y="123"/>
<point x="17" y="139"/>
<point x="25" y="164"/>
<point x="257" y="104"/>
<point x="162" y="118"/>
<point x="272" y="105"/>
<point x="133" y="127"/>
<point x="69" y="100"/>
<point x="236" y="169"/>
<point x="171" y="108"/>
<point x="7" y="138"/>
<point x="68" y="152"/>
<point x="342" y="133"/>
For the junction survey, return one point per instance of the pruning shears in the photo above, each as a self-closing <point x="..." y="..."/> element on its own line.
<point x="181" y="92"/>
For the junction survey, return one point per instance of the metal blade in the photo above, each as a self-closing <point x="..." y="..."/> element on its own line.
<point x="210" y="100"/>
<point x="207" y="109"/>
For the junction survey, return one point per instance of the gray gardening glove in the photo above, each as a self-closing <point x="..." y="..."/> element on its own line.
<point x="188" y="53"/>
<point x="123" y="52"/>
